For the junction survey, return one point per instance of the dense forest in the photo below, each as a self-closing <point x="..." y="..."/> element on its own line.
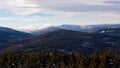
<point x="107" y="59"/>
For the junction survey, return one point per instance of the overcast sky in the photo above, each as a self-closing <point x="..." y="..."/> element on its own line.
<point x="39" y="12"/>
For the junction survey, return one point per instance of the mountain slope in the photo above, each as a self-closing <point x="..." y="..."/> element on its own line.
<point x="68" y="40"/>
<point x="8" y="34"/>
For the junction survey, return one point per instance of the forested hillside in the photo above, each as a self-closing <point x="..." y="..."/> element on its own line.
<point x="69" y="40"/>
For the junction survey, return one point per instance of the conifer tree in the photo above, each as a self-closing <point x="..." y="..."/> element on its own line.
<point x="95" y="60"/>
<point x="19" y="65"/>
<point x="62" y="65"/>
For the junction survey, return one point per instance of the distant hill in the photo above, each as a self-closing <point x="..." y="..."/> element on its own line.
<point x="68" y="40"/>
<point x="8" y="34"/>
<point x="88" y="28"/>
<point x="45" y="30"/>
<point x="38" y="30"/>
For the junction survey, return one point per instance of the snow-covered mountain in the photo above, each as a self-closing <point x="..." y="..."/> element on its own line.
<point x="89" y="28"/>
<point x="41" y="29"/>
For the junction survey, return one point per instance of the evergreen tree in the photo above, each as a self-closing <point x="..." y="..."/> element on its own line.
<point x="62" y="65"/>
<point x="95" y="60"/>
<point x="19" y="65"/>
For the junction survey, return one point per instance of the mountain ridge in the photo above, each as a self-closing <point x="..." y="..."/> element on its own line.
<point x="81" y="28"/>
<point x="68" y="40"/>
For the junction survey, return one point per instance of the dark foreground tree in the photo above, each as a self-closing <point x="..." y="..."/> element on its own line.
<point x="107" y="59"/>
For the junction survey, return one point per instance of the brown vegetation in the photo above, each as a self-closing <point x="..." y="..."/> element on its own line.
<point x="107" y="59"/>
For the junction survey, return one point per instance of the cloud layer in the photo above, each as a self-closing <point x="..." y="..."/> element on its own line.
<point x="60" y="11"/>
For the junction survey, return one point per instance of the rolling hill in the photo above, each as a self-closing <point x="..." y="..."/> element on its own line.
<point x="67" y="41"/>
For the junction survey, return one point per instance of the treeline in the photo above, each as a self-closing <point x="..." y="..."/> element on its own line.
<point x="107" y="59"/>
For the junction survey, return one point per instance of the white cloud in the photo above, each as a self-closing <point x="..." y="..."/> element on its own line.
<point x="76" y="5"/>
<point x="69" y="11"/>
<point x="26" y="7"/>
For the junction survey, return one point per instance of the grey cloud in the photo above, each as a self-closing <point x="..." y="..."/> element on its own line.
<point x="77" y="6"/>
<point x="85" y="8"/>
<point x="112" y="2"/>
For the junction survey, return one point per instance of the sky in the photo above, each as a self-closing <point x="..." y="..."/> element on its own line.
<point x="55" y="12"/>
